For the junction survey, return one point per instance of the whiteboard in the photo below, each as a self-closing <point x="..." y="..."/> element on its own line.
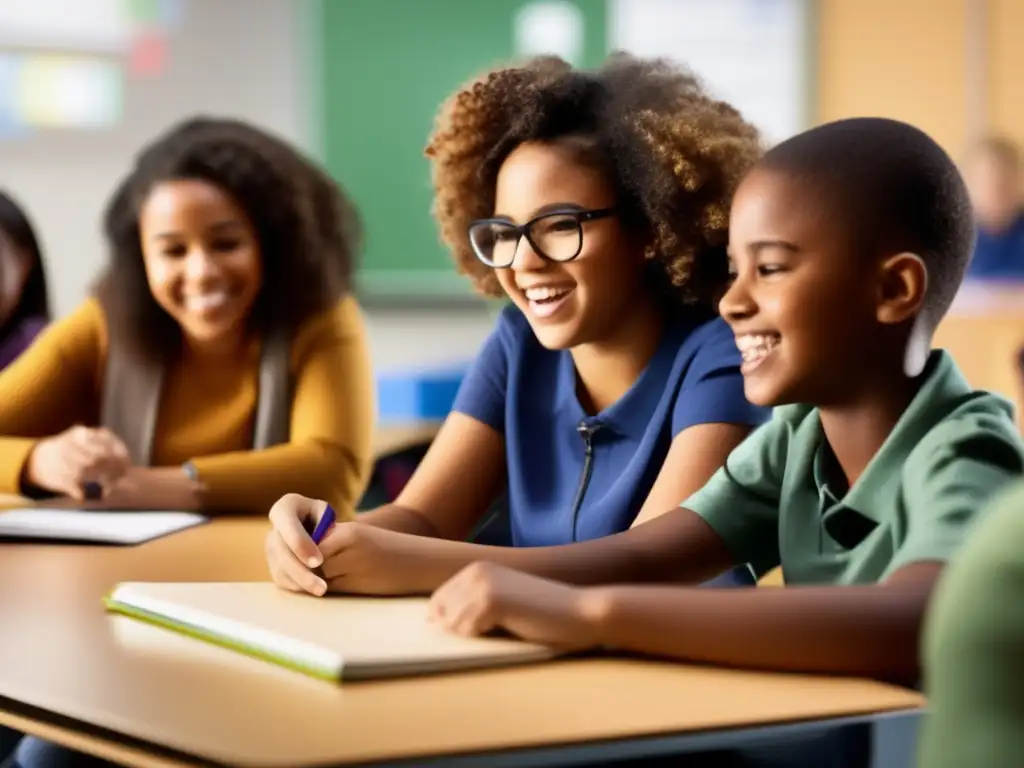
<point x="754" y="54"/>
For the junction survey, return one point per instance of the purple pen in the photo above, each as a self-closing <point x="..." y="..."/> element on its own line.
<point x="326" y="521"/>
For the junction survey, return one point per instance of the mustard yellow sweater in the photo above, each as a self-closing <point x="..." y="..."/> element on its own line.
<point x="207" y="411"/>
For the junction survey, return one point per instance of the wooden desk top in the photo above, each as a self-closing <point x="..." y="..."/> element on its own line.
<point x="61" y="653"/>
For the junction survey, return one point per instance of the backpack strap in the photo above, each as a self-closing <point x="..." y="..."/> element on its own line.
<point x="132" y="387"/>
<point x="272" y="424"/>
<point x="131" y="399"/>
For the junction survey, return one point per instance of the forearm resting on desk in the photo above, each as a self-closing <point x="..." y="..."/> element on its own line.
<point x="869" y="631"/>
<point x="252" y="481"/>
<point x="677" y="547"/>
<point x="153" y="488"/>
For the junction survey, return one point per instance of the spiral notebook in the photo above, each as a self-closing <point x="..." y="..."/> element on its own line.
<point x="332" y="638"/>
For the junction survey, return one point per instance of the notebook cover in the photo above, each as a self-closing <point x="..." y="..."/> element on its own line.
<point x="373" y="637"/>
<point x="206" y="635"/>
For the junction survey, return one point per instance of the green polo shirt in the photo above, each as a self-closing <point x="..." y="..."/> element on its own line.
<point x="973" y="648"/>
<point x="772" y="503"/>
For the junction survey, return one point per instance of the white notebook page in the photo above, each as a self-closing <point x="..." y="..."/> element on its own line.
<point x="128" y="527"/>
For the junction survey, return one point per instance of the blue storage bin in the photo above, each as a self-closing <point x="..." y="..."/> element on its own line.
<point x="418" y="395"/>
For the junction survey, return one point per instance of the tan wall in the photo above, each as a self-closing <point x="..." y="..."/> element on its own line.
<point x="912" y="60"/>
<point x="1006" y="68"/>
<point x="903" y="59"/>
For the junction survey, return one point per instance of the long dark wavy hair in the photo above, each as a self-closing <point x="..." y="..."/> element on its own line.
<point x="34" y="301"/>
<point x="308" y="230"/>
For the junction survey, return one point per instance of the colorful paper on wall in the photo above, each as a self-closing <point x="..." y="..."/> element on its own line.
<point x="59" y="91"/>
<point x="63" y="63"/>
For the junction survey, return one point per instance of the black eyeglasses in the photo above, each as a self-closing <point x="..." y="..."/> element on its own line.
<point x="556" y="236"/>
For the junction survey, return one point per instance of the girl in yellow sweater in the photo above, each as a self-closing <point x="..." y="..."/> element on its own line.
<point x="221" y="361"/>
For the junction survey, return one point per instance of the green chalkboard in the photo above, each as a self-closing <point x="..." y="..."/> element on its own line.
<point x="386" y="67"/>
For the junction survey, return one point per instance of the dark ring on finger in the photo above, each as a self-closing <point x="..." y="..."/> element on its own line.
<point x="93" y="491"/>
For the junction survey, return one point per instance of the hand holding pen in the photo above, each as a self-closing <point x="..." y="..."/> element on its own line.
<point x="292" y="546"/>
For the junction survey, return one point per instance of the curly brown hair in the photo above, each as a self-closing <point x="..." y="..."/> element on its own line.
<point x="675" y="156"/>
<point x="307" y="228"/>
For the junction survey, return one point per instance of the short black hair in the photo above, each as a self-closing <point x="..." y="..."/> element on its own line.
<point x="894" y="189"/>
<point x="34" y="301"/>
<point x="306" y="227"/>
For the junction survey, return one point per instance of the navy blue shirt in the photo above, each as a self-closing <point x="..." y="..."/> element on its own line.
<point x="528" y="393"/>
<point x="999" y="254"/>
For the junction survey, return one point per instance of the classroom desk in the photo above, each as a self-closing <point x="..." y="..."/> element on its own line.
<point x="984" y="331"/>
<point x="141" y="696"/>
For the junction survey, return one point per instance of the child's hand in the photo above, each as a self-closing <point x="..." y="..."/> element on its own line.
<point x="352" y="557"/>
<point x="291" y="554"/>
<point x="65" y="463"/>
<point x="364" y="559"/>
<point x="484" y="597"/>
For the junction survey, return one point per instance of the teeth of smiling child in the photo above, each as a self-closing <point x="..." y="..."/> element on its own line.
<point x="756" y="341"/>
<point x="544" y="292"/>
<point x="204" y="301"/>
<point x="755" y="346"/>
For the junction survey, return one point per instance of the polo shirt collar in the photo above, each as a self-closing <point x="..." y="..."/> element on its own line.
<point x="630" y="414"/>
<point x="880" y="483"/>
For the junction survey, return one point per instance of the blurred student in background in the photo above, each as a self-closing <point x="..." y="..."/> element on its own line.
<point x="24" y="303"/>
<point x="597" y="203"/>
<point x="993" y="173"/>
<point x="222" y="325"/>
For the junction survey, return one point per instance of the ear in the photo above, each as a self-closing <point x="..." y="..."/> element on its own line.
<point x="902" y="287"/>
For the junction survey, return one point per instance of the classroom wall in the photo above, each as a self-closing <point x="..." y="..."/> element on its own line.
<point x="903" y="59"/>
<point x="221" y="59"/>
<point x="246" y="58"/>
<point x="1005" y="67"/>
<point x="953" y="67"/>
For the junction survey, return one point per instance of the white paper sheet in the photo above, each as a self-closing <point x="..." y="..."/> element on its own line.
<point x="90" y="526"/>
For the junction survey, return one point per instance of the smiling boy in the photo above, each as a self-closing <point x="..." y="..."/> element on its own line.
<point x="848" y="243"/>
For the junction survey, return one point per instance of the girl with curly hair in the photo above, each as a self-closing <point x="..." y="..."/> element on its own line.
<point x="609" y="391"/>
<point x="221" y="360"/>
